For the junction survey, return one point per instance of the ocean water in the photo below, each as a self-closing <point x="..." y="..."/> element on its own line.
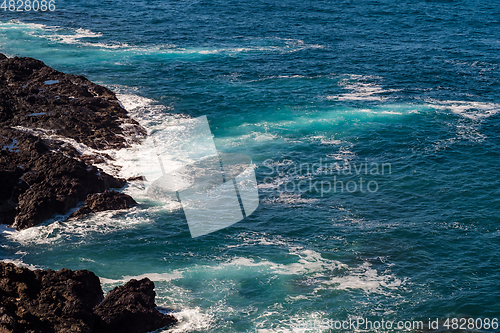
<point x="401" y="97"/>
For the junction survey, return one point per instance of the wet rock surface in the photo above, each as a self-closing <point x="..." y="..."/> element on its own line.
<point x="38" y="182"/>
<point x="43" y="111"/>
<point x="108" y="200"/>
<point x="131" y="308"/>
<point x="33" y="95"/>
<point x="45" y="117"/>
<point x="72" y="301"/>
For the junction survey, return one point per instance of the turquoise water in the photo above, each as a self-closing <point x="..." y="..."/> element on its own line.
<point x="409" y="89"/>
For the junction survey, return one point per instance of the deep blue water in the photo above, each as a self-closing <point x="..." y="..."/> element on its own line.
<point x="410" y="84"/>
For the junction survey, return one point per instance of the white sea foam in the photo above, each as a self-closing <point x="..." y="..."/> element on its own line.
<point x="16" y="24"/>
<point x="4" y="228"/>
<point x="235" y="50"/>
<point x="326" y="273"/>
<point x="344" y="154"/>
<point x="149" y="113"/>
<point x="20" y="263"/>
<point x="123" y="163"/>
<point x="252" y="138"/>
<point x="86" y="37"/>
<point x="55" y="230"/>
<point x="324" y="140"/>
<point x="286" y="177"/>
<point x="192" y="319"/>
<point x="470" y="110"/>
<point x="156" y="277"/>
<point x="70" y="36"/>
<point x="469" y="125"/>
<point x="247" y="239"/>
<point x="363" y="277"/>
<point x="268" y="44"/>
<point x="361" y="88"/>
<point x="289" y="199"/>
<point x="281" y="179"/>
<point x="391" y="112"/>
<point x="59" y="34"/>
<point x="289" y="324"/>
<point x="309" y="266"/>
<point x="53" y="33"/>
<point x="470" y="133"/>
<point x="331" y="142"/>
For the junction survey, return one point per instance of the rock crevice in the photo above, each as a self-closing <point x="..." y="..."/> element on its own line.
<point x="41" y="175"/>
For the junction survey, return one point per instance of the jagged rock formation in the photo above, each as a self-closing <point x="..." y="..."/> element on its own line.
<point x="34" y="95"/>
<point x="72" y="302"/>
<point x="44" y="114"/>
<point x="131" y="308"/>
<point x="40" y="174"/>
<point x="108" y="200"/>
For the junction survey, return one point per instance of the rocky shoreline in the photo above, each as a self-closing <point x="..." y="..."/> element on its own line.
<point x="72" y="302"/>
<point x="46" y="117"/>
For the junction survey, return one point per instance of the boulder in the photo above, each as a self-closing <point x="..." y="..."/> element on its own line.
<point x="107" y="200"/>
<point x="43" y="301"/>
<point x="131" y="309"/>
